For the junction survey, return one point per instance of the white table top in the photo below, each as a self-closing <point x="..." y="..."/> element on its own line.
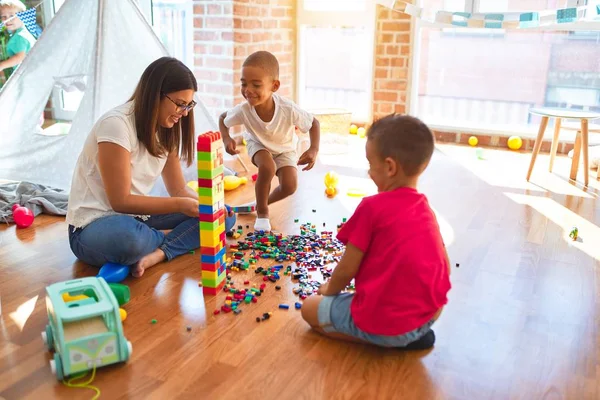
<point x="564" y="113"/>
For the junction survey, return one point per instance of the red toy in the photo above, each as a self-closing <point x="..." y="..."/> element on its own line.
<point x="23" y="216"/>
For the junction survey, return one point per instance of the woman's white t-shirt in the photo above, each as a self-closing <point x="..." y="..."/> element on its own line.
<point x="88" y="200"/>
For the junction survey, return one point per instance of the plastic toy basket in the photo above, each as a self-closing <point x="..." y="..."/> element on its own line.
<point x="335" y="128"/>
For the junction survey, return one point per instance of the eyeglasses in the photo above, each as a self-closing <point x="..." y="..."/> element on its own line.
<point x="182" y="107"/>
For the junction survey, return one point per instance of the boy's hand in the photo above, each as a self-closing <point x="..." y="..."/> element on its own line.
<point x="230" y="146"/>
<point x="308" y="158"/>
<point x="323" y="290"/>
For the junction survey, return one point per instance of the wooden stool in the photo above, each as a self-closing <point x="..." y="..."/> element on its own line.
<point x="581" y="141"/>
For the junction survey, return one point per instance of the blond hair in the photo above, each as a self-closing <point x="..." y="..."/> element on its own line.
<point x="13" y="4"/>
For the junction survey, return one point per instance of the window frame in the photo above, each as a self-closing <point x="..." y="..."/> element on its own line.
<point x="59" y="113"/>
<point x="147" y="8"/>
<point x="471" y="6"/>
<point x="347" y="19"/>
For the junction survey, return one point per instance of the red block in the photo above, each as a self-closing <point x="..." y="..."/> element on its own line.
<point x="206" y="139"/>
<point x="211" y="217"/>
<point x="213" y="291"/>
<point x="209" y="251"/>
<point x="208" y="183"/>
<point x="210" y="267"/>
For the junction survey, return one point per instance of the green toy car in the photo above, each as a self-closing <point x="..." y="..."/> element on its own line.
<point x="84" y="328"/>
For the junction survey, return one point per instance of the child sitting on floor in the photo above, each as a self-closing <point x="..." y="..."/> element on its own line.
<point x="270" y="122"/>
<point x="394" y="250"/>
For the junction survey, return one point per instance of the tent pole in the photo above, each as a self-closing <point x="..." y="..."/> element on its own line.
<point x="97" y="61"/>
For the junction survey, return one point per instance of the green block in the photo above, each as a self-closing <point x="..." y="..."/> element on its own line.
<point x="211" y="192"/>
<point x="209" y="226"/>
<point x="206" y="156"/>
<point x="210" y="174"/>
<point x="213" y="283"/>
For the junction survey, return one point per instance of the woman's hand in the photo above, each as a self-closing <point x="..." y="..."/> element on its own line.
<point x="188" y="206"/>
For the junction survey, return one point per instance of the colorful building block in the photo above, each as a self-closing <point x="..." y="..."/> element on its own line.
<point x="211" y="211"/>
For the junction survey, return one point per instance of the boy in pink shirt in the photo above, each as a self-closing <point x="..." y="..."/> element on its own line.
<point x="394" y="250"/>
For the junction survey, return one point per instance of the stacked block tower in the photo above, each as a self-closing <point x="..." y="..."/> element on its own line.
<point x="211" y="197"/>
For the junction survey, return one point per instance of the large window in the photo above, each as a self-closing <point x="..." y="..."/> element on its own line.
<point x="489" y="78"/>
<point x="173" y="23"/>
<point x="335" y="62"/>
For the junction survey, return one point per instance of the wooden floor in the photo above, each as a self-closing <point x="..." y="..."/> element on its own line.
<point x="521" y="323"/>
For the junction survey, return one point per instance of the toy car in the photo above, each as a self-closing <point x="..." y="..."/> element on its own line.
<point x="85" y="330"/>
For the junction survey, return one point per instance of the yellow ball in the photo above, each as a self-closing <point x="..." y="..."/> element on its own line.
<point x="473" y="141"/>
<point x="361" y="132"/>
<point x="515" y="143"/>
<point x="123" y="314"/>
<point x="353" y="129"/>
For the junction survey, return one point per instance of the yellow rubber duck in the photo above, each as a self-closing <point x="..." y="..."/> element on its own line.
<point x="331" y="181"/>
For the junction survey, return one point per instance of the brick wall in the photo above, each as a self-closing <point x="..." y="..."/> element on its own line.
<point x="266" y="25"/>
<point x="392" y="62"/>
<point x="213" y="53"/>
<point x="227" y="31"/>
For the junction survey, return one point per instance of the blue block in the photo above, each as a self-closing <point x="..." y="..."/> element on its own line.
<point x="530" y="19"/>
<point x="204" y="209"/>
<point x="113" y="273"/>
<point x="566" y="15"/>
<point x="462" y="21"/>
<point x="298" y="305"/>
<point x="213" y="259"/>
<point x="494" y="21"/>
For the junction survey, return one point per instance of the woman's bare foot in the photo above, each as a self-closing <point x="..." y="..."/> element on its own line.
<point x="147" y="261"/>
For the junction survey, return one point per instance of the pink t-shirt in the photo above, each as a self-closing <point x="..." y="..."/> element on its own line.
<point x="403" y="278"/>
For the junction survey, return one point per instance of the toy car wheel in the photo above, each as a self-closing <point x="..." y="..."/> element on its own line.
<point x="48" y="338"/>
<point x="129" y="350"/>
<point x="56" y="367"/>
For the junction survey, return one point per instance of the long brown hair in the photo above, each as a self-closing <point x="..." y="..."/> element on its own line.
<point x="163" y="76"/>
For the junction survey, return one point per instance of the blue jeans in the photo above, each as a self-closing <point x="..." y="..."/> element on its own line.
<point x="123" y="239"/>
<point x="334" y="316"/>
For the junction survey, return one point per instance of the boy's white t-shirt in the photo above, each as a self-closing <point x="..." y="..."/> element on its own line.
<point x="278" y="135"/>
<point x="88" y="200"/>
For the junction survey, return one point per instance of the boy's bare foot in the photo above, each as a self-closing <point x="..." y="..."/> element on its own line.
<point x="147" y="261"/>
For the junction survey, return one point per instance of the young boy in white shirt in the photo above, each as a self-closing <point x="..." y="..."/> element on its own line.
<point x="270" y="122"/>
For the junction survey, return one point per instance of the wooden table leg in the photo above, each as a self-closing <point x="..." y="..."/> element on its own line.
<point x="554" y="148"/>
<point x="584" y="147"/>
<point x="575" y="160"/>
<point x="537" y="145"/>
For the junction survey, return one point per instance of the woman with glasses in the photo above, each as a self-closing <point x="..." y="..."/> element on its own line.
<point x="111" y="217"/>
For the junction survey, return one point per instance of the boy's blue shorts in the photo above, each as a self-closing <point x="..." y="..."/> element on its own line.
<point x="334" y="316"/>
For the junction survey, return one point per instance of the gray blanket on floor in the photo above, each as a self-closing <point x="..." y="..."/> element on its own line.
<point x="38" y="198"/>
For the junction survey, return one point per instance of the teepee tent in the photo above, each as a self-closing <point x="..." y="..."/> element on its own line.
<point x="99" y="47"/>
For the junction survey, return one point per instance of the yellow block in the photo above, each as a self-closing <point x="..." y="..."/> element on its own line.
<point x="209" y="239"/>
<point x="212" y="275"/>
<point x="210" y="200"/>
<point x="207" y="165"/>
